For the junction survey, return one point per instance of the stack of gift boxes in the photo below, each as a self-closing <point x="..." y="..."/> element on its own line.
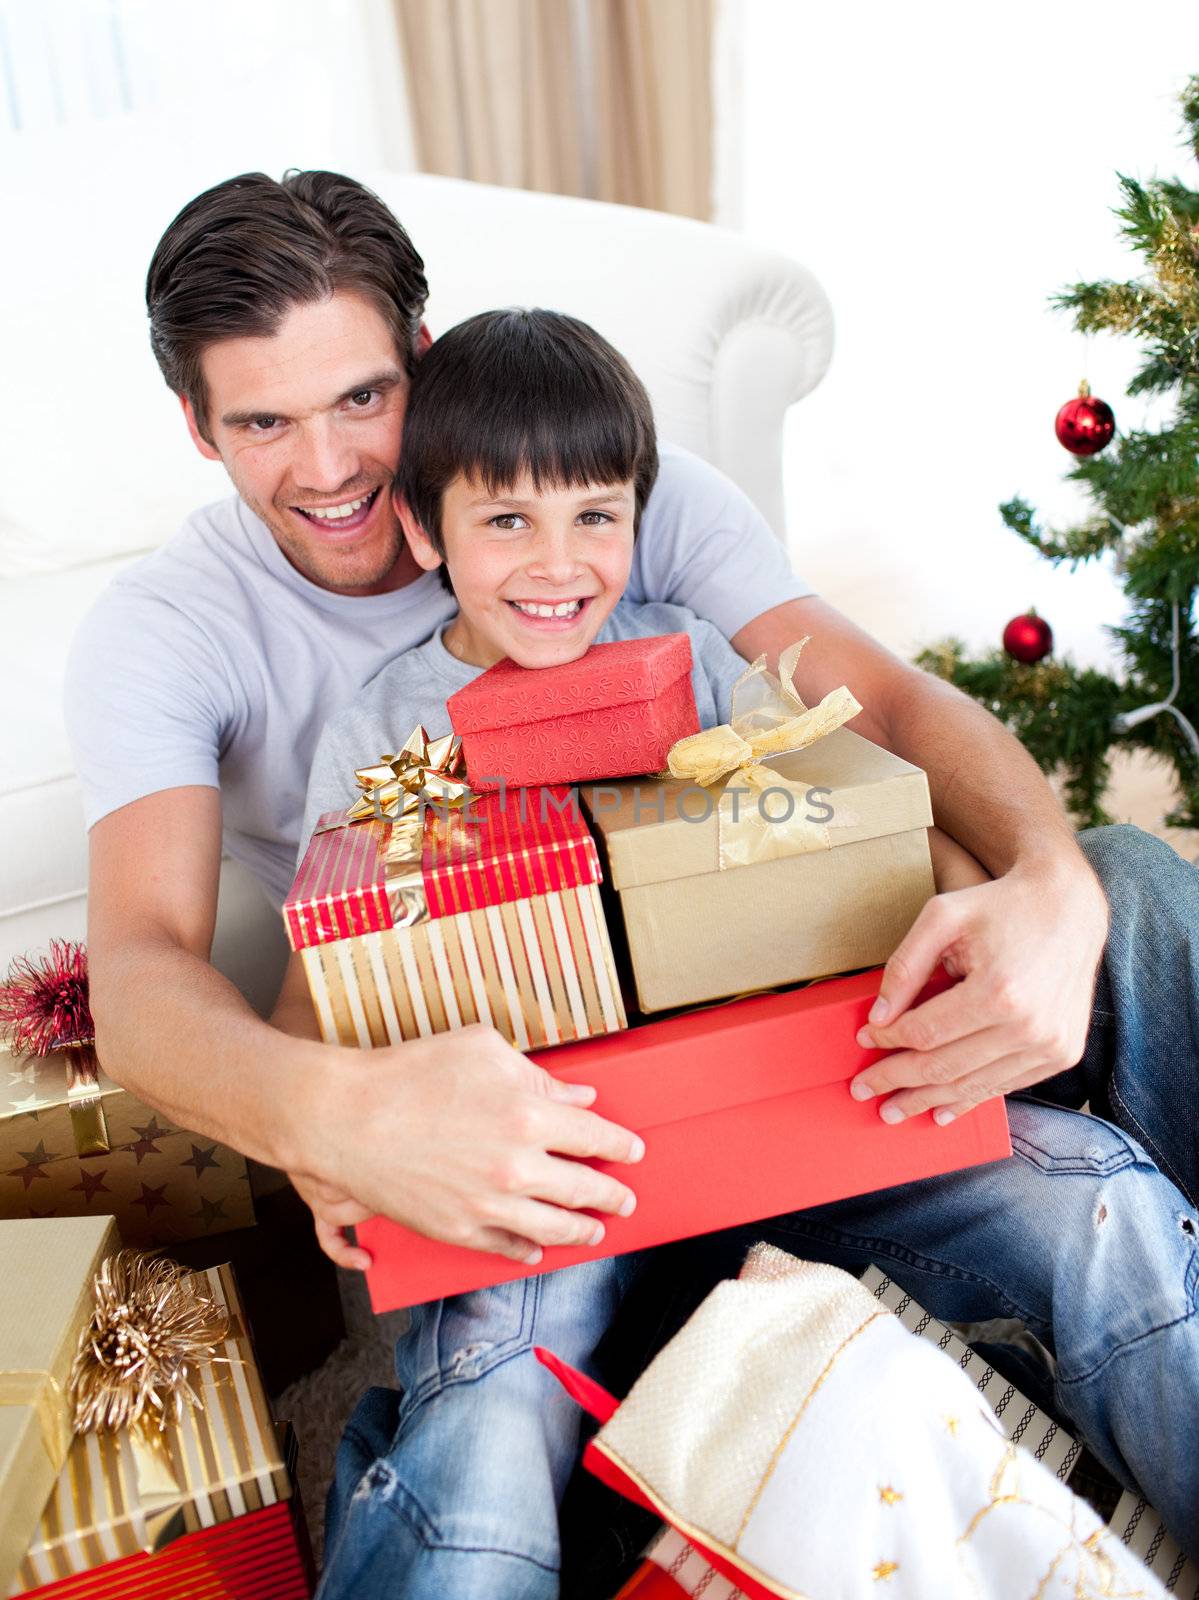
<point x="199" y="1506"/>
<point x="464" y="884"/>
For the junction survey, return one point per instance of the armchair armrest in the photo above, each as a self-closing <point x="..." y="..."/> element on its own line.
<point x="725" y="334"/>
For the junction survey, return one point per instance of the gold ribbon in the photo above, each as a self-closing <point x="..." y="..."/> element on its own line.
<point x="768" y="719"/>
<point x="85" y="1103"/>
<point x="42" y="1392"/>
<point x="425" y="773"/>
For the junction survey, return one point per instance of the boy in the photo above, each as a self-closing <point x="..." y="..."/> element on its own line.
<point x="529" y="451"/>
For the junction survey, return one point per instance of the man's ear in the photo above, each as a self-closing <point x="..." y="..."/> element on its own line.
<point x="423" y="551"/>
<point x="423" y="340"/>
<point x="208" y="451"/>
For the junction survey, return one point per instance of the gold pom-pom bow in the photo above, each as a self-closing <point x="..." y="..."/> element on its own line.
<point x="768" y="719"/>
<point x="150" y="1328"/>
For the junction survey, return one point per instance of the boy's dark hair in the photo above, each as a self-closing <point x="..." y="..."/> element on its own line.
<point x="509" y="392"/>
<point x="238" y="257"/>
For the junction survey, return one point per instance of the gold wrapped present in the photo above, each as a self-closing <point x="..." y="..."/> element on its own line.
<point x="47" y="1268"/>
<point x="219" y="1460"/>
<point x="73" y="1143"/>
<point x="781" y="846"/>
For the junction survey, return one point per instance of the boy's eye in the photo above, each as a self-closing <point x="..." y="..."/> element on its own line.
<point x="595" y="519"/>
<point x="509" y="521"/>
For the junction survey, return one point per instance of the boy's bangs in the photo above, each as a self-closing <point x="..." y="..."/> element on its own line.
<point x="594" y="447"/>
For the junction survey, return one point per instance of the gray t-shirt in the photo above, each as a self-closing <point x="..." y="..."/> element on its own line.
<point x="214" y="662"/>
<point x="415" y="687"/>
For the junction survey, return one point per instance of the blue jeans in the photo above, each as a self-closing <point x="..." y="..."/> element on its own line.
<point x="1086" y="1235"/>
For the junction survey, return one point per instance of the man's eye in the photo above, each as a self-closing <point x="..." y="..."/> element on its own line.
<point x="363" y="397"/>
<point x="263" y="424"/>
<point x="509" y="521"/>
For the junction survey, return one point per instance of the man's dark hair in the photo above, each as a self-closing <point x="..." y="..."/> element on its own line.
<point x="238" y="257"/>
<point x="510" y="392"/>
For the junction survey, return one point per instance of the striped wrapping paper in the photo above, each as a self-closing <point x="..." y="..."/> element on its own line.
<point x="226" y="1459"/>
<point x="499" y="923"/>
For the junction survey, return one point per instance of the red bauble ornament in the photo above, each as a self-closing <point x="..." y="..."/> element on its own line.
<point x="1028" y="638"/>
<point x="1085" y="425"/>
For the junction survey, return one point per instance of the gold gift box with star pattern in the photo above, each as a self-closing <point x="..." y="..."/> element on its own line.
<point x="72" y="1146"/>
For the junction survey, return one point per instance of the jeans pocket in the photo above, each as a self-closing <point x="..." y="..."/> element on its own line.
<point x="461" y="1339"/>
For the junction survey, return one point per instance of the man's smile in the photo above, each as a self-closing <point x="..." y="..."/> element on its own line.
<point x="340" y="518"/>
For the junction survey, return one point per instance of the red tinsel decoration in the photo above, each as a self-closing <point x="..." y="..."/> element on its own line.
<point x="44" y="1004"/>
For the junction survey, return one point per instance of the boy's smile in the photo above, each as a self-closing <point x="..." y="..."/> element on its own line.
<point x="536" y="571"/>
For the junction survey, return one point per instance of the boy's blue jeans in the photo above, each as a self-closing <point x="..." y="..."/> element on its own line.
<point x="1089" y="1235"/>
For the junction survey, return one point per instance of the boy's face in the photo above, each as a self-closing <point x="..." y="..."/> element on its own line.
<point x="535" y="572"/>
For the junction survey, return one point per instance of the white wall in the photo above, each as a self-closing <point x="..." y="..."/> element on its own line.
<point x="943" y="169"/>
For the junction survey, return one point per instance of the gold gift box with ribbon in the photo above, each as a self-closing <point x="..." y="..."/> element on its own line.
<point x="73" y="1143"/>
<point x="218" y="1460"/>
<point x="47" y="1268"/>
<point x="781" y="846"/>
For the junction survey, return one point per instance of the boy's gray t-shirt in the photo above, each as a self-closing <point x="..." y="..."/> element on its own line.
<point x="414" y="689"/>
<point x="214" y="662"/>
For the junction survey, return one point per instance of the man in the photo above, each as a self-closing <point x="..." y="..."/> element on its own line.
<point x="287" y="320"/>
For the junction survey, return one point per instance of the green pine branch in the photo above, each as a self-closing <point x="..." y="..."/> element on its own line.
<point x="1144" y="493"/>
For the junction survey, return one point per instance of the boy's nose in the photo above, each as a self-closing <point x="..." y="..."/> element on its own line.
<point x="555" y="559"/>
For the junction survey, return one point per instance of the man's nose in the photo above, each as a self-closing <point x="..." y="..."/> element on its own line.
<point x="324" y="458"/>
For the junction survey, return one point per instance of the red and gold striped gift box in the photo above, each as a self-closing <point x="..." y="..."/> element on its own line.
<point x="495" y="918"/>
<point x="227" y="1464"/>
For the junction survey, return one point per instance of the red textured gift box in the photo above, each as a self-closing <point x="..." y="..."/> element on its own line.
<point x="614" y="713"/>
<point x="746" y="1113"/>
<point x="261" y="1556"/>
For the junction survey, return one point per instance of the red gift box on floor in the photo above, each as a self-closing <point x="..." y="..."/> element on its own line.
<point x="260" y="1556"/>
<point x="746" y="1113"/>
<point x="612" y="714"/>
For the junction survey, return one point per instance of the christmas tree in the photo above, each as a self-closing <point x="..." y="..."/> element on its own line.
<point x="1144" y="491"/>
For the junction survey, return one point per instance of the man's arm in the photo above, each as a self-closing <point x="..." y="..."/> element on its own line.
<point x="459" y="1136"/>
<point x="1027" y="944"/>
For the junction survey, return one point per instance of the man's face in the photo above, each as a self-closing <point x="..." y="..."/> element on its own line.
<point x="307" y="422"/>
<point x="536" y="572"/>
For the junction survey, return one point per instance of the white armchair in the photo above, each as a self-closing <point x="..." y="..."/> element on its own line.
<point x="726" y="336"/>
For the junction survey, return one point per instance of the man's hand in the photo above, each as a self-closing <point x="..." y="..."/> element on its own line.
<point x="462" y="1139"/>
<point x="1027" y="948"/>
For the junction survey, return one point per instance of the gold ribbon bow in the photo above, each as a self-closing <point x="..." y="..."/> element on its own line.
<point x="423" y="773"/>
<point x="768" y="719"/>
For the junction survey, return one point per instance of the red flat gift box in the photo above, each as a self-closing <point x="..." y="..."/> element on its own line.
<point x="614" y="713"/>
<point x="745" y="1113"/>
<point x="260" y="1556"/>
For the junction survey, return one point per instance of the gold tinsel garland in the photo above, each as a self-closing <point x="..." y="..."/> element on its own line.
<point x="150" y="1328"/>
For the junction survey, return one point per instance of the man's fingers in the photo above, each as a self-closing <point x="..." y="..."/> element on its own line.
<point x="574" y="1186"/>
<point x="914" y="961"/>
<point x="551" y="1225"/>
<point x="908" y="1069"/>
<point x="569" y="1094"/>
<point x="338" y="1248"/>
<point x="497" y="1242"/>
<point x="570" y="1131"/>
<point x="949" y="1101"/>
<point x="952" y="1014"/>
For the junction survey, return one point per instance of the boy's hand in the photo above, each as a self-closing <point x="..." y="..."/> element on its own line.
<point x="461" y="1138"/>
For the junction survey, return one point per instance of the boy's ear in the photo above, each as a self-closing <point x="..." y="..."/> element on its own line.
<point x="210" y="452"/>
<point x="423" y="551"/>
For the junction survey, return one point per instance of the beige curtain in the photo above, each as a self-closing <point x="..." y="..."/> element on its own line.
<point x="608" y="98"/>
